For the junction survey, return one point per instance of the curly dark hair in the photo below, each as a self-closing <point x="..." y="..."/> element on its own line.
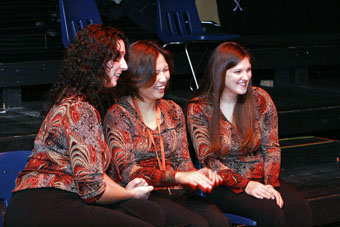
<point x="83" y="69"/>
<point x="141" y="66"/>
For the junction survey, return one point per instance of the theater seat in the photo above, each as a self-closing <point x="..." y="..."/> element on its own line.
<point x="10" y="164"/>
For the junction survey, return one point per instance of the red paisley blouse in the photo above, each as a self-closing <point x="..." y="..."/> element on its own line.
<point x="238" y="166"/>
<point x="70" y="152"/>
<point x="133" y="154"/>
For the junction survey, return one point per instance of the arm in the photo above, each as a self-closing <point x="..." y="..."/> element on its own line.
<point x="180" y="159"/>
<point x="198" y="125"/>
<point x="270" y="148"/>
<point x="114" y="192"/>
<point x="87" y="149"/>
<point x="180" y="156"/>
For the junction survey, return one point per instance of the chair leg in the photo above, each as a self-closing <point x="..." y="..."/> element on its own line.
<point x="2" y="212"/>
<point x="192" y="69"/>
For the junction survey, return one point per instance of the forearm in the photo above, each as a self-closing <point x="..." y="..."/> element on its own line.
<point x="154" y="176"/>
<point x="113" y="192"/>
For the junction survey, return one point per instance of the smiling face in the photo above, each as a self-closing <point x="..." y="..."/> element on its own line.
<point x="237" y="79"/>
<point x="157" y="89"/>
<point x="115" y="68"/>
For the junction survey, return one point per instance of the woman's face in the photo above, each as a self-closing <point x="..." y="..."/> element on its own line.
<point x="237" y="79"/>
<point x="156" y="91"/>
<point x="115" y="68"/>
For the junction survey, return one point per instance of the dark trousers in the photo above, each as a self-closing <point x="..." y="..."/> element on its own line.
<point x="54" y="207"/>
<point x="186" y="208"/>
<point x="295" y="211"/>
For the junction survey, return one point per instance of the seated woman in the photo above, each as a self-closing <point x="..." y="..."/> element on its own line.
<point x="147" y="138"/>
<point x="234" y="129"/>
<point x="64" y="182"/>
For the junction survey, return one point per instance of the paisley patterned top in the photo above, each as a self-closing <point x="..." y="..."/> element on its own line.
<point x="235" y="164"/>
<point x="70" y="152"/>
<point x="133" y="154"/>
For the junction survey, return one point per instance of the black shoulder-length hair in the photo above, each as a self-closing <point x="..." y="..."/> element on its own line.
<point x="141" y="72"/>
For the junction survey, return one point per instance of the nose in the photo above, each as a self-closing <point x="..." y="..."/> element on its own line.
<point x="246" y="75"/>
<point x="123" y="64"/>
<point x="163" y="76"/>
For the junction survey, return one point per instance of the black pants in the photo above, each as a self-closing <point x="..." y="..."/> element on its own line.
<point x="53" y="207"/>
<point x="295" y="211"/>
<point x="185" y="208"/>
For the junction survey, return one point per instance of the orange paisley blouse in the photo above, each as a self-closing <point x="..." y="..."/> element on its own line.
<point x="236" y="165"/>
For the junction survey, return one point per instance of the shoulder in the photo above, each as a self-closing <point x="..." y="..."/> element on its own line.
<point x="171" y="111"/>
<point x="169" y="105"/>
<point x="199" y="105"/>
<point x="77" y="109"/>
<point x="260" y="92"/>
<point x="263" y="100"/>
<point x="121" y="106"/>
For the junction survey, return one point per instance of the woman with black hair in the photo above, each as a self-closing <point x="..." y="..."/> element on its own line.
<point x="147" y="137"/>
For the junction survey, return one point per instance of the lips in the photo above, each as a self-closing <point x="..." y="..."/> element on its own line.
<point x="160" y="87"/>
<point x="242" y="83"/>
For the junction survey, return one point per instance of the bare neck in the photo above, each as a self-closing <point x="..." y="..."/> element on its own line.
<point x="227" y="106"/>
<point x="148" y="111"/>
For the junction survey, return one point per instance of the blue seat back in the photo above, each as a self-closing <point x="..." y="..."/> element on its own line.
<point x="10" y="164"/>
<point x="177" y="20"/>
<point x="75" y="15"/>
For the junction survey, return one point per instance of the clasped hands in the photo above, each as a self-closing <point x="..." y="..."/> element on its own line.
<point x="204" y="179"/>
<point x="139" y="188"/>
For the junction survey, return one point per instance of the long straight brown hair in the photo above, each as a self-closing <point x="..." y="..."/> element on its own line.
<point x="226" y="56"/>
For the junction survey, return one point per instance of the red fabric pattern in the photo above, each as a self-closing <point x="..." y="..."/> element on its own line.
<point x="70" y="152"/>
<point x="133" y="154"/>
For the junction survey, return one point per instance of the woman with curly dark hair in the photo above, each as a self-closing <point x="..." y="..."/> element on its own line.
<point x="64" y="182"/>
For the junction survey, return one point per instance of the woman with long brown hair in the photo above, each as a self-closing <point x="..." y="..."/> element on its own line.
<point x="234" y="130"/>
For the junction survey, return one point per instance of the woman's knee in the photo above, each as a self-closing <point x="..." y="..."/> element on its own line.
<point x="145" y="209"/>
<point x="270" y="216"/>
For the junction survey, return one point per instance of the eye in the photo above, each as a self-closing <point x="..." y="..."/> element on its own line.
<point x="118" y="57"/>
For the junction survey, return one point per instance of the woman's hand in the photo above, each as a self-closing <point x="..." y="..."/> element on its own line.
<point x="195" y="179"/>
<point x="139" y="188"/>
<point x="214" y="177"/>
<point x="259" y="190"/>
<point x="137" y="182"/>
<point x="277" y="195"/>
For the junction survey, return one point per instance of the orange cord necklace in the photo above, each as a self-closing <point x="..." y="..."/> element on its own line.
<point x="161" y="163"/>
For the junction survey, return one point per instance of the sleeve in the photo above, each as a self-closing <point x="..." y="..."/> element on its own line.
<point x="270" y="148"/>
<point x="180" y="159"/>
<point x="127" y="142"/>
<point x="87" y="149"/>
<point x="198" y="126"/>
